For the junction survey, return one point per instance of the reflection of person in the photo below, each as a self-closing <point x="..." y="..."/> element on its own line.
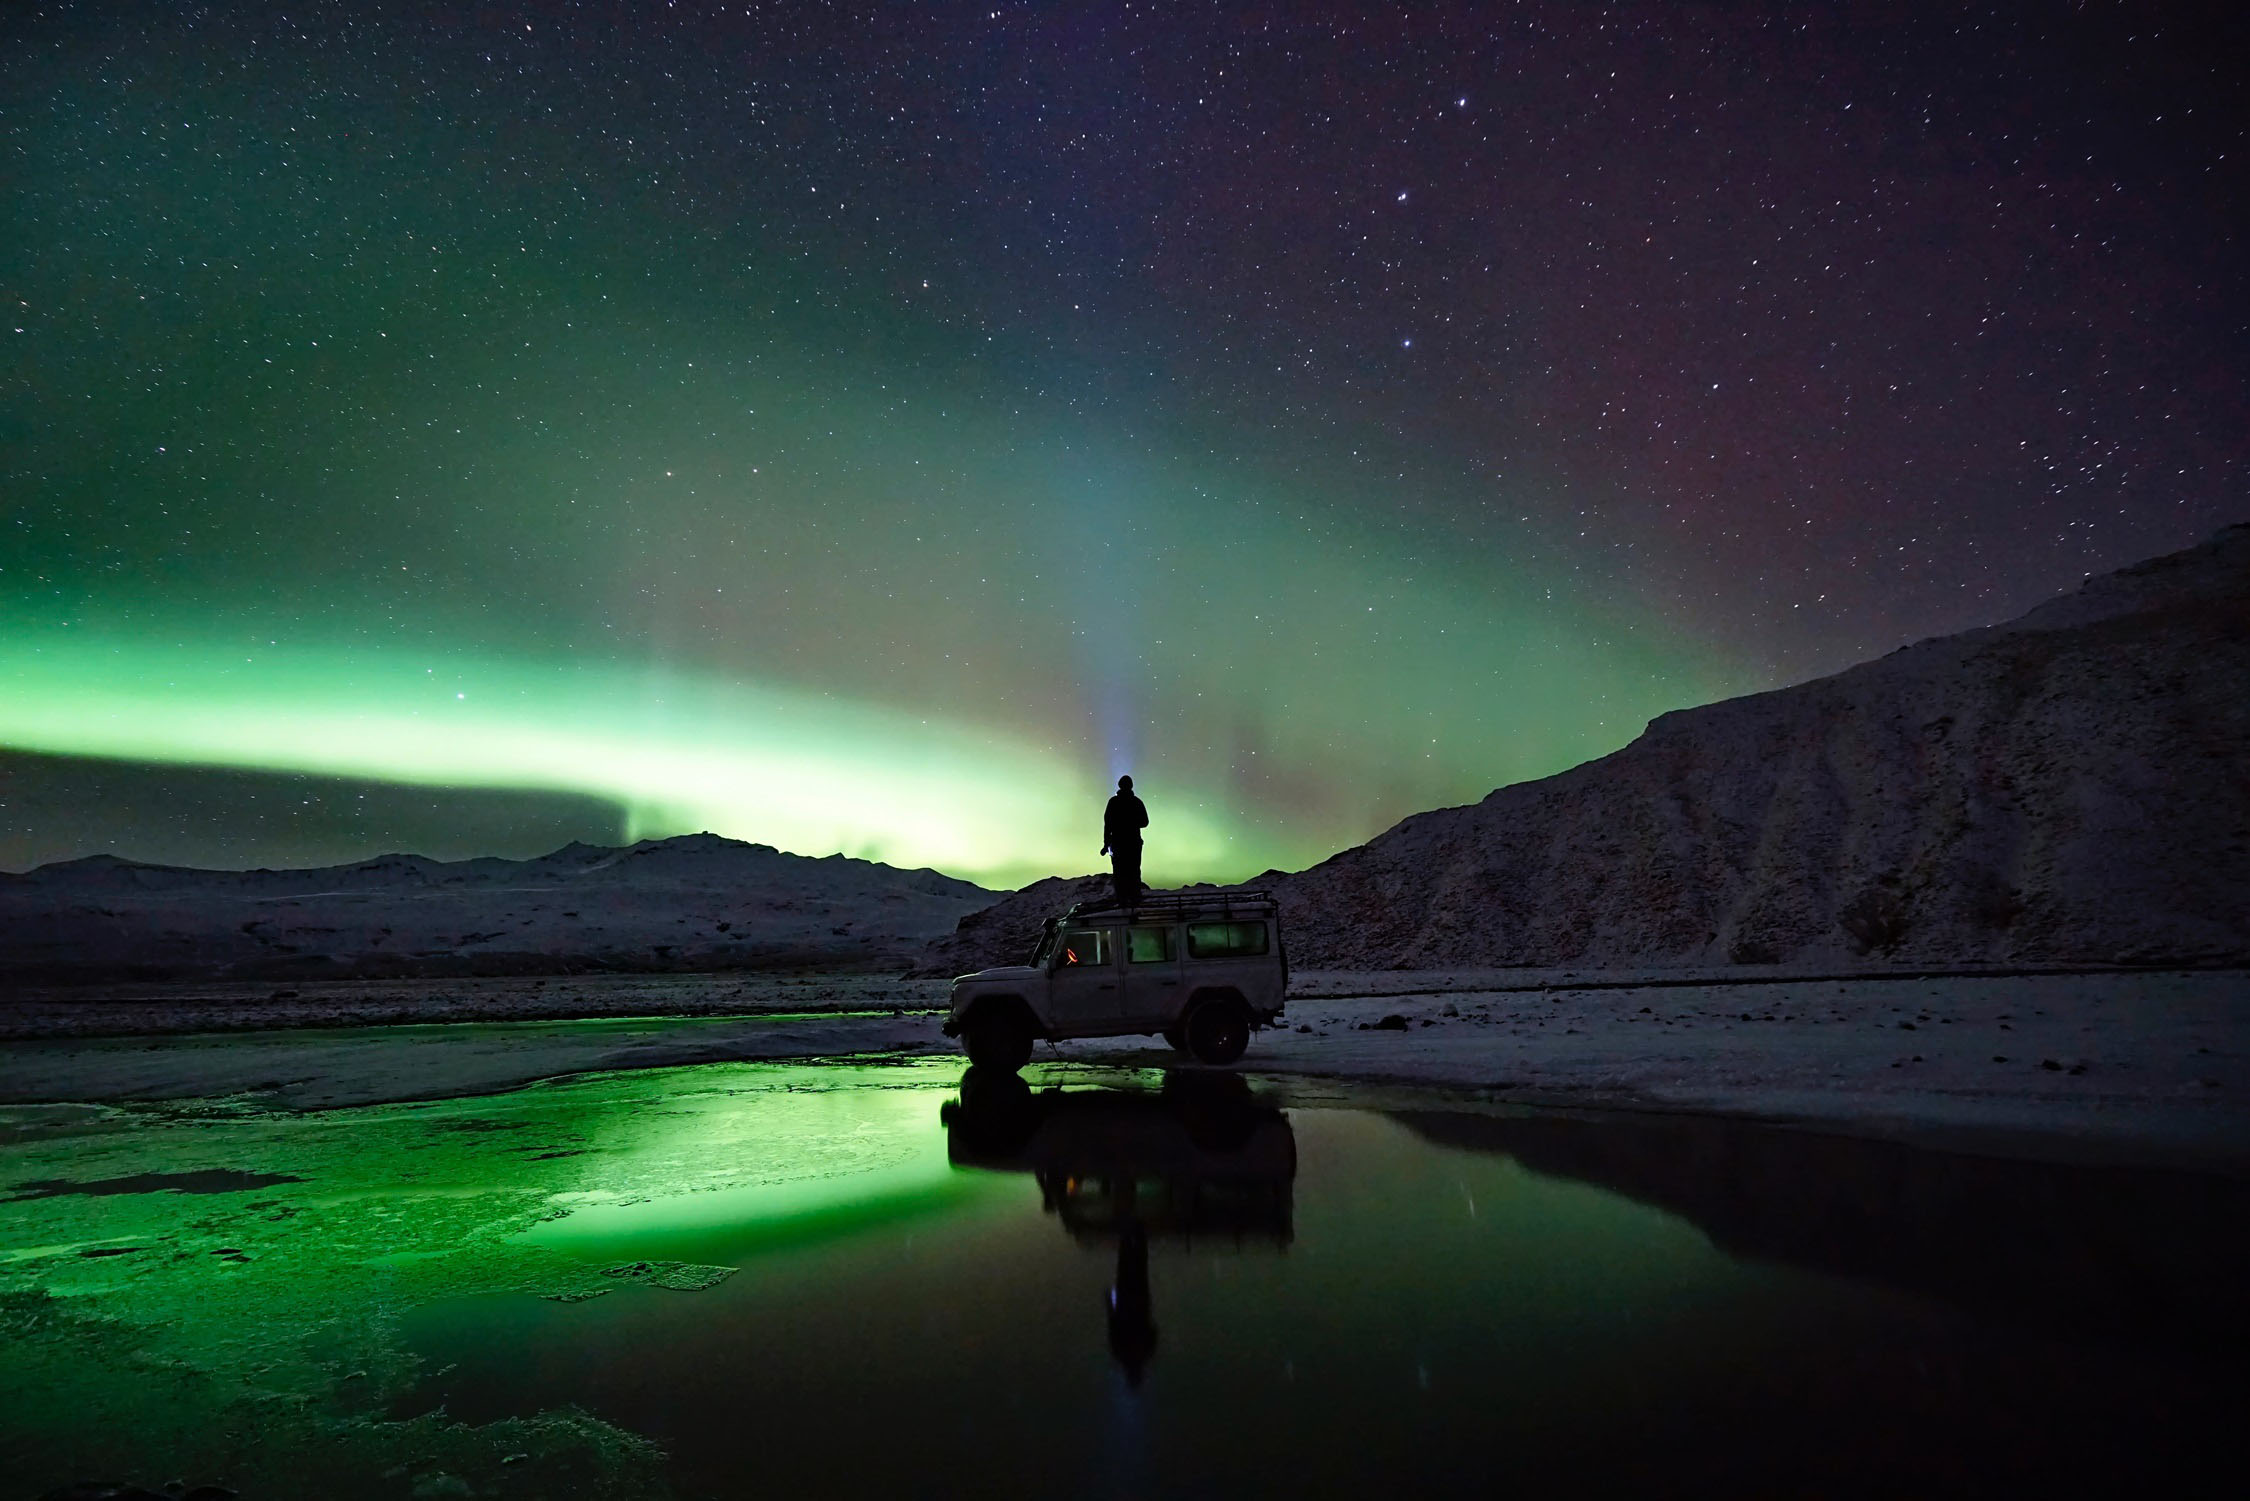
<point x="1132" y="1323"/>
<point x="1122" y="822"/>
<point x="1216" y="1165"/>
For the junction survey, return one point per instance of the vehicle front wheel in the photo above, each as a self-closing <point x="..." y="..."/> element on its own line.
<point x="1218" y="1031"/>
<point x="1000" y="1040"/>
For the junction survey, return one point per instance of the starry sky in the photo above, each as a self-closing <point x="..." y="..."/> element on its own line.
<point x="873" y="428"/>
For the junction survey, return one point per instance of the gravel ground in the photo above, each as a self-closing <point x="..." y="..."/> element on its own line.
<point x="164" y="1009"/>
<point x="2142" y="1066"/>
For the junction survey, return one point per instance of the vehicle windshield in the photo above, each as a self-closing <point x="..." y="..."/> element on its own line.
<point x="1046" y="948"/>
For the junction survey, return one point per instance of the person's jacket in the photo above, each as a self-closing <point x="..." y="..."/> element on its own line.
<point x="1123" y="820"/>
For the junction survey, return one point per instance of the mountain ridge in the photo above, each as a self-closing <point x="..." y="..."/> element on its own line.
<point x="692" y="902"/>
<point x="2067" y="786"/>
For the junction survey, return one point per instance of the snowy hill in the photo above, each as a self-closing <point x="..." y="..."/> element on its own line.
<point x="2073" y="786"/>
<point x="697" y="902"/>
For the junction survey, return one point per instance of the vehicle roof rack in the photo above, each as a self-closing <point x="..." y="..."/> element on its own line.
<point x="1175" y="904"/>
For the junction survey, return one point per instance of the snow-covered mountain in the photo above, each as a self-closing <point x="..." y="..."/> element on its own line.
<point x="2073" y="786"/>
<point x="697" y="902"/>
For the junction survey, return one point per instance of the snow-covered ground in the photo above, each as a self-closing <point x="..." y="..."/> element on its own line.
<point x="2144" y="1067"/>
<point x="2153" y="1061"/>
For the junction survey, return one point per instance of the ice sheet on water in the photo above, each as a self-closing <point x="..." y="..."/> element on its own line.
<point x="679" y="1276"/>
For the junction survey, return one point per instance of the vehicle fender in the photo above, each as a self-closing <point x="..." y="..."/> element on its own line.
<point x="1208" y="994"/>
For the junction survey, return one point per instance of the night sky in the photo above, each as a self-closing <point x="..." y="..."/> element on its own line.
<point x="465" y="428"/>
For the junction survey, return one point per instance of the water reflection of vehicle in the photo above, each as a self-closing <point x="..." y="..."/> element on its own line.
<point x="1198" y="1161"/>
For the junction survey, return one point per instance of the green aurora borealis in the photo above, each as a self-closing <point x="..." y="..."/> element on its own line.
<point x="918" y="618"/>
<point x="827" y="659"/>
<point x="835" y="438"/>
<point x="392" y="471"/>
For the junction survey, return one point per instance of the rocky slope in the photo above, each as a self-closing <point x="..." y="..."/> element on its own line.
<point x="1007" y="931"/>
<point x="2073" y="786"/>
<point x="694" y="903"/>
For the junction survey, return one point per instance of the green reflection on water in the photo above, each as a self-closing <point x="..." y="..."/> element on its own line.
<point x="252" y="1334"/>
<point x="1418" y="1317"/>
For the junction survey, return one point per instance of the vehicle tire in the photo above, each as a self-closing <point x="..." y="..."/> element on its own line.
<point x="999" y="1040"/>
<point x="1216" y="1109"/>
<point x="1218" y="1031"/>
<point x="991" y="1092"/>
<point x="1176" y="1035"/>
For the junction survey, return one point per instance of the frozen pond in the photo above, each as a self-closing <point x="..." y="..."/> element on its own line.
<point x="738" y="1279"/>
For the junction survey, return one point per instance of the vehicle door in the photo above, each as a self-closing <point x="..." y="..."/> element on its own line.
<point x="1237" y="953"/>
<point x="1152" y="974"/>
<point x="1082" y="982"/>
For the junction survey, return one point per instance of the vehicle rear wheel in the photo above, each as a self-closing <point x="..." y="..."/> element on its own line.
<point x="999" y="1039"/>
<point x="1218" y="1031"/>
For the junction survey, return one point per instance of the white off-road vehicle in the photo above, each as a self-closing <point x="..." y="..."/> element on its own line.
<point x="1202" y="969"/>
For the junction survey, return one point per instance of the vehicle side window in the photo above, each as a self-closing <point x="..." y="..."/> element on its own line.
<point x="1226" y="940"/>
<point x="1084" y="946"/>
<point x="1148" y="945"/>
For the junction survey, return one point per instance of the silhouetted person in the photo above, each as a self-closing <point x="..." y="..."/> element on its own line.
<point x="1122" y="822"/>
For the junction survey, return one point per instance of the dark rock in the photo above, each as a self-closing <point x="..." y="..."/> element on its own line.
<point x="1007" y="931"/>
<point x="1875" y="919"/>
<point x="1392" y="1023"/>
